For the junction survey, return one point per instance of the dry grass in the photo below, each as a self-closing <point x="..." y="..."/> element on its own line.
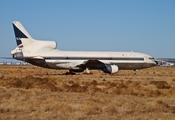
<point x="28" y="92"/>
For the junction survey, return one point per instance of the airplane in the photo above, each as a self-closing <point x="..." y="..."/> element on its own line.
<point x="164" y="63"/>
<point x="45" y="54"/>
<point x="171" y="60"/>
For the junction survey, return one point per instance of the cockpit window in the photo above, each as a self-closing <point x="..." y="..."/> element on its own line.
<point x="151" y="58"/>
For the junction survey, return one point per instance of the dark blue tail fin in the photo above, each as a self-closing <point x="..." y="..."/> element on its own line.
<point x="20" y="33"/>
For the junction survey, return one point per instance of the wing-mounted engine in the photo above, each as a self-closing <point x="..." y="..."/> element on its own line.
<point x="110" y="68"/>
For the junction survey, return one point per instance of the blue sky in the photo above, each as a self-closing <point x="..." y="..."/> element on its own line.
<point x="146" y="26"/>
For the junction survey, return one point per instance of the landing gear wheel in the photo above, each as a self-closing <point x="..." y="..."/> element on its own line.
<point x="135" y="71"/>
<point x="70" y="73"/>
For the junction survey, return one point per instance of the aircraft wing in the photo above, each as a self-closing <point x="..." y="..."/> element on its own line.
<point x="38" y="60"/>
<point x="97" y="64"/>
<point x="92" y="64"/>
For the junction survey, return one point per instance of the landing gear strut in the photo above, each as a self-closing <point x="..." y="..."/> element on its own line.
<point x="135" y="71"/>
<point x="88" y="71"/>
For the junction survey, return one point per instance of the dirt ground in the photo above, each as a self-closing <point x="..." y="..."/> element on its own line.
<point x="29" y="92"/>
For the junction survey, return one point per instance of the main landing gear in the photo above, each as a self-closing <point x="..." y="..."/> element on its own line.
<point x="135" y="71"/>
<point x="73" y="72"/>
<point x="70" y="73"/>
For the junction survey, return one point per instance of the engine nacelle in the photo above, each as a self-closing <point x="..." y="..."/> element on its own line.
<point x="110" y="68"/>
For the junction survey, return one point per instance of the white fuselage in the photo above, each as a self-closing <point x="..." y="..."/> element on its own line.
<point x="70" y="59"/>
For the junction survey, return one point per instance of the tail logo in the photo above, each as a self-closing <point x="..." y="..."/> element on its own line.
<point x="22" y="36"/>
<point x="19" y="35"/>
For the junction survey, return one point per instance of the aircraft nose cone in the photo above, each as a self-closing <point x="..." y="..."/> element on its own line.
<point x="153" y="63"/>
<point x="156" y="62"/>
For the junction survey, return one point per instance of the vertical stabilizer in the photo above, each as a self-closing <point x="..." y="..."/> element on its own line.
<point x="22" y="36"/>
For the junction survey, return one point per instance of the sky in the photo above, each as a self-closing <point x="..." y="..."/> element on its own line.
<point x="146" y="26"/>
